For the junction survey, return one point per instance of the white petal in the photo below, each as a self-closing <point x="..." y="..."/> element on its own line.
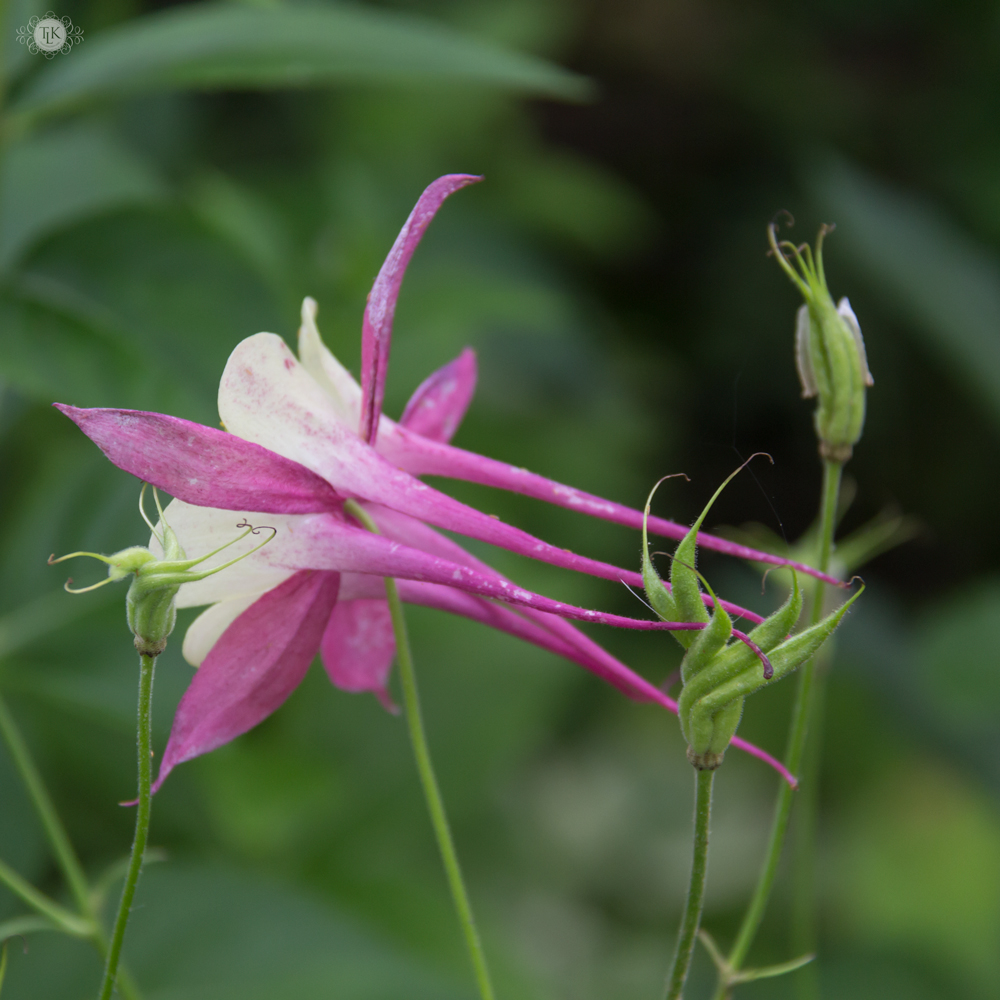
<point x="203" y="529"/>
<point x="847" y="314"/>
<point x="329" y="373"/>
<point x="205" y="631"/>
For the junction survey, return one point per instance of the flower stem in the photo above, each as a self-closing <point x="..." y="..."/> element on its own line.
<point x="691" y="920"/>
<point x="798" y="731"/>
<point x="435" y="804"/>
<point x="147" y="665"/>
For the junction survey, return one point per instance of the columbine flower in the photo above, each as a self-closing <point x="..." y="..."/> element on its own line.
<point x="301" y="438"/>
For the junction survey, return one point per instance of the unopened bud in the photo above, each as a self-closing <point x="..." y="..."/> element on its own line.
<point x="829" y="350"/>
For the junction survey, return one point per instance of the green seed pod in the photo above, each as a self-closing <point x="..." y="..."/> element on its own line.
<point x="829" y="351"/>
<point x="785" y="658"/>
<point x="739" y="657"/>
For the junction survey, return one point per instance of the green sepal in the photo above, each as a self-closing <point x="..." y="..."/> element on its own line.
<point x="656" y="593"/>
<point x="711" y="720"/>
<point x="789" y="656"/>
<point x="685" y="586"/>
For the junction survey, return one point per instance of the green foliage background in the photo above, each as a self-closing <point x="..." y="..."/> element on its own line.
<point x="157" y="206"/>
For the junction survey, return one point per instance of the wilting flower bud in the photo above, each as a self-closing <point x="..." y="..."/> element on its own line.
<point x="829" y="350"/>
<point x="149" y="603"/>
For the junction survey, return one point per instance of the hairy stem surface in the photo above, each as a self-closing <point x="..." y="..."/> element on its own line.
<point x="798" y="731"/>
<point x="691" y="920"/>
<point x="147" y="665"/>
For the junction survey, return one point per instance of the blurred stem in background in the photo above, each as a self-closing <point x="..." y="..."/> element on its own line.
<point x="59" y="839"/>
<point x="807" y="694"/>
<point x="428" y="780"/>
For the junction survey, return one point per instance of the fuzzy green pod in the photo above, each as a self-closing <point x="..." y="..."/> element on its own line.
<point x="737" y="658"/>
<point x="829" y="351"/>
<point x="706" y="714"/>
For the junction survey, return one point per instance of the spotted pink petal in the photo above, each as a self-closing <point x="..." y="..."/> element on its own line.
<point x="422" y="455"/>
<point x="358" y="645"/>
<point x="253" y="668"/>
<point x="376" y="329"/>
<point x="436" y="409"/>
<point x="203" y="465"/>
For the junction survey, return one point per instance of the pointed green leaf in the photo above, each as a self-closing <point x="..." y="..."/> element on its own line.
<point x="215" y="46"/>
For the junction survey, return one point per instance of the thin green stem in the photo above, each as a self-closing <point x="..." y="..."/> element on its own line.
<point x="691" y="920"/>
<point x="804" y="931"/>
<point x="144" y="740"/>
<point x="62" y="848"/>
<point x="435" y="804"/>
<point x="38" y="901"/>
<point x="432" y="793"/>
<point x="798" y="731"/>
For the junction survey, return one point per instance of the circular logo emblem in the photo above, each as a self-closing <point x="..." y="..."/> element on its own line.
<point x="50" y="34"/>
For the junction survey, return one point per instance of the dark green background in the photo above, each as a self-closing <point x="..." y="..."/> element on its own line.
<point x="611" y="273"/>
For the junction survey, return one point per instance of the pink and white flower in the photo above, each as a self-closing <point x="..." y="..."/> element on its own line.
<point x="301" y="438"/>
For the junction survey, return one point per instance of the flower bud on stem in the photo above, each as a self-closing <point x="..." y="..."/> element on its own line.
<point x="151" y="614"/>
<point x="829" y="349"/>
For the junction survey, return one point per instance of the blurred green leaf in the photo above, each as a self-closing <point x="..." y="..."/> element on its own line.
<point x="175" y="294"/>
<point x="958" y="665"/>
<point x="204" y="933"/>
<point x="937" y="276"/>
<point x="221" y="46"/>
<point x="48" y="181"/>
<point x="916" y="864"/>
<point x="252" y="228"/>
<point x="56" y="348"/>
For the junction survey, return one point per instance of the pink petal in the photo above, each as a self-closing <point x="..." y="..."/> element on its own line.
<point x="376" y="329"/>
<point x="421" y="455"/>
<point x="436" y="409"/>
<point x="253" y="668"/>
<point x="358" y="646"/>
<point x="326" y="542"/>
<point x="202" y="465"/>
<point x="418" y="535"/>
<point x="267" y="397"/>
<point x="551" y="633"/>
